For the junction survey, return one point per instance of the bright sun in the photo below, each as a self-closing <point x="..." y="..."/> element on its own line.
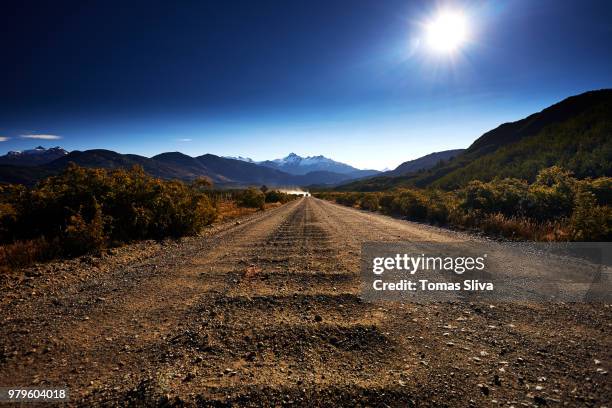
<point x="446" y="32"/>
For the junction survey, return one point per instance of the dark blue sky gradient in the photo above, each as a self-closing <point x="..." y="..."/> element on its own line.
<point x="346" y="79"/>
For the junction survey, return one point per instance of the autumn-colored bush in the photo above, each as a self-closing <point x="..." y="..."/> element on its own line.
<point x="555" y="207"/>
<point x="83" y="236"/>
<point x="84" y="210"/>
<point x="275" y="196"/>
<point x="440" y="207"/>
<point x="412" y="204"/>
<point x="22" y="253"/>
<point x="349" y="199"/>
<point x="552" y="194"/>
<point x="369" y="202"/>
<point x="589" y="220"/>
<point x="600" y="187"/>
<point x="507" y="196"/>
<point x="252" y="198"/>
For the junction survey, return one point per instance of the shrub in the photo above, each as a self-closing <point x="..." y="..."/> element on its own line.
<point x="590" y="222"/>
<point x="83" y="236"/>
<point x="369" y="202"/>
<point x="252" y="198"/>
<point x="8" y="218"/>
<point x="508" y="196"/>
<point x="275" y="196"/>
<point x="83" y="210"/>
<point x="555" y="207"/>
<point x="600" y="187"/>
<point x="348" y="199"/>
<point x="439" y="207"/>
<point x="412" y="204"/>
<point x="201" y="184"/>
<point x="22" y="253"/>
<point x="552" y="194"/>
<point x="478" y="196"/>
<point x="386" y="203"/>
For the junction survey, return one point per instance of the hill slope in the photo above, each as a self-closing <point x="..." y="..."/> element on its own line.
<point x="575" y="133"/>
<point x="423" y="163"/>
<point x="582" y="144"/>
<point x="107" y="159"/>
<point x="189" y="167"/>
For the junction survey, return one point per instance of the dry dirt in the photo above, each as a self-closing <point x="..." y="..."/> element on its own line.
<point x="267" y="312"/>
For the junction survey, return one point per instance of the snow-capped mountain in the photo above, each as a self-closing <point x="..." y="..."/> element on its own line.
<point x="292" y="170"/>
<point x="33" y="157"/>
<point x="244" y="159"/>
<point x="295" y="164"/>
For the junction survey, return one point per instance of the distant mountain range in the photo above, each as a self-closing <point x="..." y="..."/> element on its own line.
<point x="294" y="164"/>
<point x="31" y="165"/>
<point x="297" y="165"/>
<point x="33" y="157"/>
<point x="575" y="134"/>
<point x="246" y="159"/>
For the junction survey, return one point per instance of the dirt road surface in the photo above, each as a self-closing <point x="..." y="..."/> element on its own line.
<point x="268" y="311"/>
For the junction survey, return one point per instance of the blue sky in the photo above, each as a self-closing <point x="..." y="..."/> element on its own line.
<point x="354" y="81"/>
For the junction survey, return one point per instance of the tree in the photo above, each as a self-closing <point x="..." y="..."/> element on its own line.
<point x="201" y="183"/>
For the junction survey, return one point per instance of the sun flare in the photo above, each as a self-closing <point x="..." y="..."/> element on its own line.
<point x="446" y="32"/>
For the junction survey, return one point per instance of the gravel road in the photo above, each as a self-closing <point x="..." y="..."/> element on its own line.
<point x="268" y="311"/>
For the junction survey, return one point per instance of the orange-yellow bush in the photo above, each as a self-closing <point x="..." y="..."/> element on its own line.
<point x="84" y="210"/>
<point x="556" y="206"/>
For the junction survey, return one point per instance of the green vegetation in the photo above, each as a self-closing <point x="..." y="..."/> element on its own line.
<point x="554" y="207"/>
<point x="252" y="198"/>
<point x="275" y="196"/>
<point x="85" y="210"/>
<point x="573" y="134"/>
<point x="82" y="211"/>
<point x="581" y="144"/>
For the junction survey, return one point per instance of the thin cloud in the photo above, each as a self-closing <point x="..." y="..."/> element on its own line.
<point x="4" y="138"/>
<point x="184" y="140"/>
<point x="42" y="137"/>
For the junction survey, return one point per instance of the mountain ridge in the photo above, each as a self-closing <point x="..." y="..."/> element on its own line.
<point x="573" y="133"/>
<point x="33" y="157"/>
<point x="298" y="165"/>
<point x="222" y="171"/>
<point x="423" y="163"/>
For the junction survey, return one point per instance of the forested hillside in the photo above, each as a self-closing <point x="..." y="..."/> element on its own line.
<point x="575" y="134"/>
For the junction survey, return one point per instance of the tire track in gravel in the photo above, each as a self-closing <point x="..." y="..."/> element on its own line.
<point x="289" y="328"/>
<point x="289" y="315"/>
<point x="94" y="342"/>
<point x="269" y="313"/>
